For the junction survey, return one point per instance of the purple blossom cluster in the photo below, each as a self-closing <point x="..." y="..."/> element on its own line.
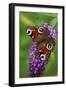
<point x="36" y="65"/>
<point x="53" y="32"/>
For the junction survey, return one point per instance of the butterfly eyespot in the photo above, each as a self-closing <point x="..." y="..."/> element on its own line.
<point x="40" y="30"/>
<point x="29" y="31"/>
<point x="43" y="56"/>
<point x="49" y="46"/>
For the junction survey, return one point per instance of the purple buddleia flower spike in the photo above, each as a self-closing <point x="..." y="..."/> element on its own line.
<point x="36" y="65"/>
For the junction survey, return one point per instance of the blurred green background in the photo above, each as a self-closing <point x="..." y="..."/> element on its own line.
<point x="36" y="19"/>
